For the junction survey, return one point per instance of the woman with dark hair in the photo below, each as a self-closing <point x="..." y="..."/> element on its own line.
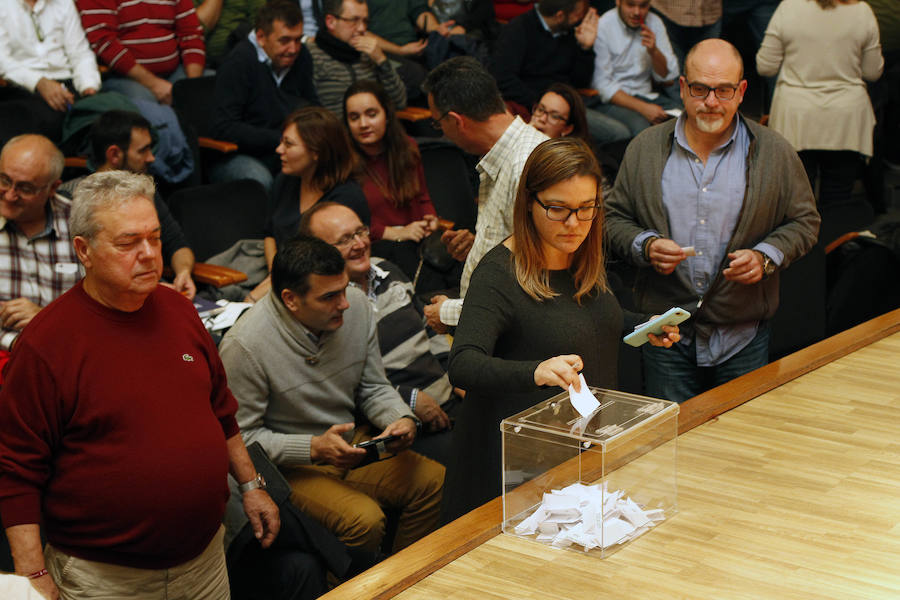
<point x="316" y="166"/>
<point x="823" y="52"/>
<point x="538" y="312"/>
<point x="391" y="174"/>
<point x="560" y="112"/>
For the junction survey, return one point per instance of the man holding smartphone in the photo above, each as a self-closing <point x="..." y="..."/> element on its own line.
<point x="709" y="207"/>
<point x="304" y="362"/>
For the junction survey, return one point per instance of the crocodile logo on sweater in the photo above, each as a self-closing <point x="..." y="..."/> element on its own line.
<point x="187" y="358"/>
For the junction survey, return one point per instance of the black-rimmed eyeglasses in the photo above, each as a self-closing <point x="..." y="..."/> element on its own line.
<point x="724" y="91"/>
<point x="562" y="213"/>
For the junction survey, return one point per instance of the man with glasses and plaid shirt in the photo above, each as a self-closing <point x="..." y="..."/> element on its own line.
<point x="37" y="260"/>
<point x="710" y="207"/>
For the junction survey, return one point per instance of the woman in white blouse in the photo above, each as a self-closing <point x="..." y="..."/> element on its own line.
<point x="825" y="50"/>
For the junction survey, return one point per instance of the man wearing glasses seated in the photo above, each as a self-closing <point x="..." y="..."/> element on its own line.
<point x="632" y="50"/>
<point x="345" y="51"/>
<point x="710" y="207"/>
<point x="39" y="260"/>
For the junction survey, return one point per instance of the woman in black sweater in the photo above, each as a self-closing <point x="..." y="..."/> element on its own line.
<point x="538" y="312"/>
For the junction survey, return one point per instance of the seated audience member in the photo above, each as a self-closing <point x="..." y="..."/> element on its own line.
<point x="147" y="45"/>
<point x="304" y="362"/>
<point x="414" y="359"/>
<point x="560" y="113"/>
<point x="399" y="25"/>
<point x="119" y="429"/>
<point x="393" y="178"/>
<point x="121" y="141"/>
<point x="219" y="19"/>
<point x="39" y="260"/>
<point x="632" y="51"/>
<point x="316" y="166"/>
<point x="710" y="207"/>
<point x="476" y="17"/>
<point x="47" y="65"/>
<point x="344" y="51"/>
<point x="553" y="42"/>
<point x="265" y="78"/>
<point x="466" y="105"/>
<point x="539" y="311"/>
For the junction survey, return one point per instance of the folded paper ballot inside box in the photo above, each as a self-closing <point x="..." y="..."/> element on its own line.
<point x="590" y="482"/>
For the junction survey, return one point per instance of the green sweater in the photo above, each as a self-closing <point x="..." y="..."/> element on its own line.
<point x="285" y="396"/>
<point x="234" y="12"/>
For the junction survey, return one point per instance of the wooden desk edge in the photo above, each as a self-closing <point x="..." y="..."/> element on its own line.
<point x="448" y="543"/>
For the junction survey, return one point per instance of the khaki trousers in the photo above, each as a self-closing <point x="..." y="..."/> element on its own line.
<point x="351" y="502"/>
<point x="201" y="578"/>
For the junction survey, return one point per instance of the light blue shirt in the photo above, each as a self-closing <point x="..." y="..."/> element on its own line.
<point x="622" y="63"/>
<point x="264" y="59"/>
<point x="703" y="203"/>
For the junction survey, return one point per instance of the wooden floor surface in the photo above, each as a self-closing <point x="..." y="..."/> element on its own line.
<point x="795" y="494"/>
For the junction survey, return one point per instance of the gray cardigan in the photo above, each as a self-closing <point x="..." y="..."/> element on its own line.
<point x="778" y="208"/>
<point x="285" y="396"/>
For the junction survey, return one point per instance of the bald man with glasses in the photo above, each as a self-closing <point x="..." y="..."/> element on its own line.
<point x="39" y="263"/>
<point x="710" y="207"/>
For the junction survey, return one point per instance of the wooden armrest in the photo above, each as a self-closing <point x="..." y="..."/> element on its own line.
<point x="588" y="92"/>
<point x="217" y="276"/>
<point x="79" y="162"/>
<point x="764" y="120"/>
<point x="414" y="113"/>
<point x="218" y="145"/>
<point x="844" y="238"/>
<point x="213" y="275"/>
<point x="2" y="82"/>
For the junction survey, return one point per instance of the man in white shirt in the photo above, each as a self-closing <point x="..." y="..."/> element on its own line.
<point x="632" y="50"/>
<point x="466" y="105"/>
<point x="46" y="58"/>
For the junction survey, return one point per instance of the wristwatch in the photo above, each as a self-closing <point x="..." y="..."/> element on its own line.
<point x="257" y="483"/>
<point x="768" y="265"/>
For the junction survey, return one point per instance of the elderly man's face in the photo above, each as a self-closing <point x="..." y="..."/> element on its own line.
<point x="25" y="184"/>
<point x="341" y="227"/>
<point x="124" y="260"/>
<point x="716" y="68"/>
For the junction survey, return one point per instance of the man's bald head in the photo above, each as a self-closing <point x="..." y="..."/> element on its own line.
<point x="40" y="147"/>
<point x="713" y="51"/>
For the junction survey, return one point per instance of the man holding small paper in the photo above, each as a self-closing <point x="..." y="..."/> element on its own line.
<point x="727" y="193"/>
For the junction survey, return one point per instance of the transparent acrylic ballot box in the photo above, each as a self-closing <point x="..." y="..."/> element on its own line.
<point x="623" y="455"/>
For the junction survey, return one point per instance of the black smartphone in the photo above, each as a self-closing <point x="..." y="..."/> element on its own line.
<point x="374" y="449"/>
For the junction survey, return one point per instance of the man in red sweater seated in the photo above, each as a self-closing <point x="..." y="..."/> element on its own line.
<point x="147" y="44"/>
<point x="118" y="428"/>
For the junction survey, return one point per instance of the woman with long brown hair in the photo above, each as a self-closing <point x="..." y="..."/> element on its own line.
<point x="316" y="166"/>
<point x="538" y="312"/>
<point x="392" y="176"/>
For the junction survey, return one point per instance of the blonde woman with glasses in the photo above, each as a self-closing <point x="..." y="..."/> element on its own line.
<point x="538" y="312"/>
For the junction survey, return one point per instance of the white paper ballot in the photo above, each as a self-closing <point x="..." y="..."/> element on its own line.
<point x="584" y="401"/>
<point x="589" y="516"/>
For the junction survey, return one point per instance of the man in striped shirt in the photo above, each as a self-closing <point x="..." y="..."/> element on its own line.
<point x="148" y="45"/>
<point x="37" y="260"/>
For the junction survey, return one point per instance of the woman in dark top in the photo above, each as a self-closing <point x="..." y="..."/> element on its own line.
<point x="538" y="312"/>
<point x="391" y="174"/>
<point x="316" y="166"/>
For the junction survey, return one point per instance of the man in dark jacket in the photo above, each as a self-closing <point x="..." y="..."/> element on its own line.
<point x="264" y="79"/>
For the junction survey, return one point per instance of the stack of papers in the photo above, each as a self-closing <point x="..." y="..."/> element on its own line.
<point x="589" y="516"/>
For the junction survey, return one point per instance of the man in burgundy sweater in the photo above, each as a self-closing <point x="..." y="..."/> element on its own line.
<point x="117" y="428"/>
